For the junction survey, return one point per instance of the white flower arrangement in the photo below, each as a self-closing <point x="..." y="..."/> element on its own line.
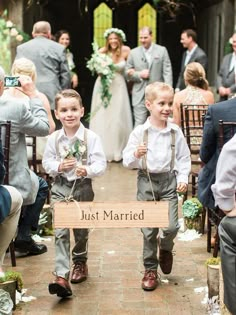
<point x="102" y="65"/>
<point x="116" y="31"/>
<point x="75" y="150"/>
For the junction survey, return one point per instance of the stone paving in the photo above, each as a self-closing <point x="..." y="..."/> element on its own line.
<point x="115" y="269"/>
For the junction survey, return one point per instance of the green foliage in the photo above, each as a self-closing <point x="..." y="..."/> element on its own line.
<point x="228" y="48"/>
<point x="191" y="208"/>
<point x="13" y="276"/>
<point x="10" y="35"/>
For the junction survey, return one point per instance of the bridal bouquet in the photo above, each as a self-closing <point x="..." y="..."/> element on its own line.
<point x="102" y="65"/>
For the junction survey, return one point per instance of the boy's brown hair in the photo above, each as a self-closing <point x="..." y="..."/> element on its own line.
<point x="69" y="93"/>
<point x="152" y="90"/>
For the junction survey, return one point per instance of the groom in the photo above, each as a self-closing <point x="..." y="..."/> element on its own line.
<point x="146" y="64"/>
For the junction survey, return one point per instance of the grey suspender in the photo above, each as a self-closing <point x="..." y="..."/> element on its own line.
<point x="172" y="162"/>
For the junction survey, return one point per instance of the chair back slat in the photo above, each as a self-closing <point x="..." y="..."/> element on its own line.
<point x="5" y="134"/>
<point x="227" y="129"/>
<point x="193" y="121"/>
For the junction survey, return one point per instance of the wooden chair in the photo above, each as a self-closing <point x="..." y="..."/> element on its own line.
<point x="227" y="129"/>
<point x="5" y="134"/>
<point x="192" y="121"/>
<point x="35" y="163"/>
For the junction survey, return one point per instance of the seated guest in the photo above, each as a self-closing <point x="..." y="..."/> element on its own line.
<point x="24" y="66"/>
<point x="209" y="151"/>
<point x="226" y="85"/>
<point x="224" y="193"/>
<point x="33" y="189"/>
<point x="196" y="92"/>
<point x="10" y="203"/>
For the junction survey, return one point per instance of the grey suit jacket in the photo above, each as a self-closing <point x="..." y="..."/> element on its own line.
<point x="32" y="122"/>
<point x="226" y="76"/>
<point x="209" y="151"/>
<point x="198" y="56"/>
<point x="160" y="70"/>
<point x="49" y="57"/>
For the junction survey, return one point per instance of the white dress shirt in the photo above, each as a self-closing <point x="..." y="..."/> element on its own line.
<point x="233" y="63"/>
<point x="148" y="54"/>
<point x="224" y="188"/>
<point x="96" y="160"/>
<point x="189" y="54"/>
<point x="159" y="150"/>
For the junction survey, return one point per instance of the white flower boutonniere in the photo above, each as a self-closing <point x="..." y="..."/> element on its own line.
<point x="76" y="150"/>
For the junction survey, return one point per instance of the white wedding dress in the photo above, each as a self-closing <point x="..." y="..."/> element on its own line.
<point x="114" y="123"/>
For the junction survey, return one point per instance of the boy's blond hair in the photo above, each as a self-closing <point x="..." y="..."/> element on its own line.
<point x="24" y="66"/>
<point x="153" y="89"/>
<point x="69" y="93"/>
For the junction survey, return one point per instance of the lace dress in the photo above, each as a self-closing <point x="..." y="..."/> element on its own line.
<point x="114" y="123"/>
<point x="194" y="96"/>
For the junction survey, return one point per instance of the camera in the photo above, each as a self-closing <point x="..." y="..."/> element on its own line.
<point x="11" y="81"/>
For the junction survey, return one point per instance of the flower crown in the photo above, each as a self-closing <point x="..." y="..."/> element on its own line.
<point x="117" y="31"/>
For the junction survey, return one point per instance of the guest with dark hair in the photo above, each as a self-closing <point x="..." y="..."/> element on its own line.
<point x="226" y="85"/>
<point x="63" y="38"/>
<point x="193" y="53"/>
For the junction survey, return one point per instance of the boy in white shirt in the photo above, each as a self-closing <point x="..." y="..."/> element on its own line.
<point x="73" y="155"/>
<point x="160" y="152"/>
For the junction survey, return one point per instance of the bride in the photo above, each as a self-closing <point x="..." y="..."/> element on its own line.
<point x="113" y="123"/>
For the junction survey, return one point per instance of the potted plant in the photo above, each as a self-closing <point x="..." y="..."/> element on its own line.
<point x="10" y="282"/>
<point x="213" y="266"/>
<point x="192" y="209"/>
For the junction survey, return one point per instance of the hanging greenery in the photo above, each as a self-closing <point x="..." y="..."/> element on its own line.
<point x="10" y="35"/>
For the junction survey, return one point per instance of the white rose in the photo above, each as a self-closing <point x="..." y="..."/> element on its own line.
<point x="19" y="38"/>
<point x="9" y="24"/>
<point x="13" y="32"/>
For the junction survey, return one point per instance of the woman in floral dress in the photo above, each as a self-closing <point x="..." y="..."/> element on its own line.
<point x="112" y="120"/>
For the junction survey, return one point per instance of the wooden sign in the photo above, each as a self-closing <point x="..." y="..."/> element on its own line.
<point x="111" y="214"/>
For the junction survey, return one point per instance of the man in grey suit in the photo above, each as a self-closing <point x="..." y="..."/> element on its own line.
<point x="193" y="53"/>
<point x="49" y="57"/>
<point x="34" y="190"/>
<point x="226" y="83"/>
<point x="146" y="64"/>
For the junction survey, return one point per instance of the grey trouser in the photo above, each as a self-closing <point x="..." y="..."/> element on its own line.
<point x="9" y="225"/>
<point x="164" y="186"/>
<point x="227" y="233"/>
<point x="83" y="192"/>
<point x="140" y="114"/>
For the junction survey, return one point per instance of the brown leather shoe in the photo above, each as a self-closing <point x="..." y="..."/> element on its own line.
<point x="79" y="272"/>
<point x="60" y="287"/>
<point x="149" y="281"/>
<point x="165" y="261"/>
